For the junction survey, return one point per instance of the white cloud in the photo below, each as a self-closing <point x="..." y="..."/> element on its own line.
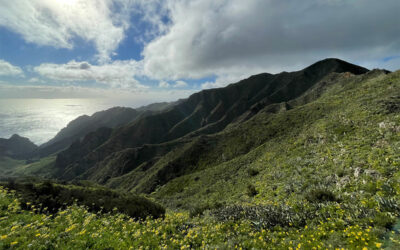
<point x="163" y="84"/>
<point x="180" y="84"/>
<point x="218" y="38"/>
<point x="116" y="74"/>
<point x="7" y="69"/>
<point x="152" y="12"/>
<point x="57" y="22"/>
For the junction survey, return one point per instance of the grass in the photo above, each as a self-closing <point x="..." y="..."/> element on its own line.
<point x="44" y="167"/>
<point x="10" y="168"/>
<point x="8" y="165"/>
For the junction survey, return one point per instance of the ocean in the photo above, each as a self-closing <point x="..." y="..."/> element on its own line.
<point x="41" y="119"/>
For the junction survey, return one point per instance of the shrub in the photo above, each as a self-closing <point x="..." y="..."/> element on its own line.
<point x="265" y="216"/>
<point x="49" y="197"/>
<point x="320" y="195"/>
<point x="251" y="190"/>
<point x="199" y="209"/>
<point x="384" y="220"/>
<point x="299" y="215"/>
<point x="252" y="171"/>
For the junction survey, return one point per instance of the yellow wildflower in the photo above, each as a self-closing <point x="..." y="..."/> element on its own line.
<point x="14" y="243"/>
<point x="378" y="245"/>
<point x="70" y="228"/>
<point x="3" y="237"/>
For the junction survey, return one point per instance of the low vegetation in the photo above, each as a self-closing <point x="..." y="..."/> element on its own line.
<point x="14" y="169"/>
<point x="257" y="227"/>
<point x="48" y="197"/>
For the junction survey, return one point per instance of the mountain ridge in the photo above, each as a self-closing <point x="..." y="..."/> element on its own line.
<point x="82" y="125"/>
<point x="203" y="113"/>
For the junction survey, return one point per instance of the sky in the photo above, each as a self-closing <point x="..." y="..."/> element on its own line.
<point x="163" y="50"/>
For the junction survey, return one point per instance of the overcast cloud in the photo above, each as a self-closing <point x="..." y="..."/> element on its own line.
<point x="244" y="37"/>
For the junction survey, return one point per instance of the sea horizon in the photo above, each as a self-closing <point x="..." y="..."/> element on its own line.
<point x="41" y="119"/>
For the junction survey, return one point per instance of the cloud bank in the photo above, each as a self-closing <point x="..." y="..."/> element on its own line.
<point x="122" y="97"/>
<point x="118" y="74"/>
<point x="7" y="69"/>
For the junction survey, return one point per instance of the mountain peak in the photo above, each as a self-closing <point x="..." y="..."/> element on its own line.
<point x="15" y="136"/>
<point x="18" y="138"/>
<point x="17" y="146"/>
<point x="335" y="65"/>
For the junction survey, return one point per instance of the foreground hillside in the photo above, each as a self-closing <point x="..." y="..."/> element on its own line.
<point x="77" y="228"/>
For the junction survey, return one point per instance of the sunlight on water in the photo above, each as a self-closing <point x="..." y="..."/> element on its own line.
<point x="41" y="119"/>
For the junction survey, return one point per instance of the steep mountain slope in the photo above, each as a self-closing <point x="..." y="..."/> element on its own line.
<point x="237" y="139"/>
<point x="81" y="126"/>
<point x="16" y="147"/>
<point x="345" y="144"/>
<point x="204" y="113"/>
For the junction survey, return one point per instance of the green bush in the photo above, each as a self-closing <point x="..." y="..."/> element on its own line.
<point x="251" y="190"/>
<point x="49" y="197"/>
<point x="265" y="216"/>
<point x="252" y="171"/>
<point x="320" y="195"/>
<point x="199" y="209"/>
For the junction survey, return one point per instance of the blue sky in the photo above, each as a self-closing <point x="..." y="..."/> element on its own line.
<point x="165" y="50"/>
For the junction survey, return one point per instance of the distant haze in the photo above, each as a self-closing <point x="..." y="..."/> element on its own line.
<point x="41" y="119"/>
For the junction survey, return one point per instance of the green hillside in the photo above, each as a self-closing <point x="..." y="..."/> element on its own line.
<point x="12" y="168"/>
<point x="8" y="165"/>
<point x="345" y="142"/>
<point x="319" y="170"/>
